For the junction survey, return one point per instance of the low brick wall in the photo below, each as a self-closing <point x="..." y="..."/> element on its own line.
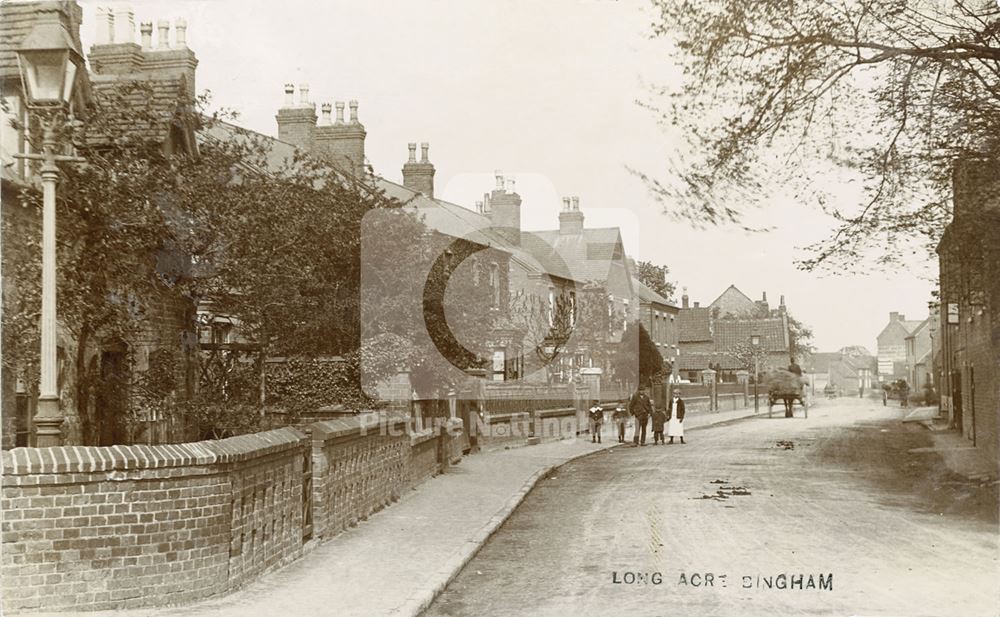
<point x="131" y="526"/>
<point x="127" y="526"/>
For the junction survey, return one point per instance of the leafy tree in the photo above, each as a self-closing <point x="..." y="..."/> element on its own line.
<point x="638" y="361"/>
<point x="892" y="90"/>
<point x="745" y="354"/>
<point x="655" y="277"/>
<point x="801" y="335"/>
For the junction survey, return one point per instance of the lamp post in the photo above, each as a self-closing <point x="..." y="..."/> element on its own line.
<point x="49" y="63"/>
<point x="755" y="345"/>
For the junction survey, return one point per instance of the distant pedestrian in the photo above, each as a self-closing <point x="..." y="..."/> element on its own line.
<point x="596" y="414"/>
<point x="885" y="396"/>
<point x="620" y="417"/>
<point x="640" y="406"/>
<point x="659" y="419"/>
<point x="675" y="418"/>
<point x="904" y="393"/>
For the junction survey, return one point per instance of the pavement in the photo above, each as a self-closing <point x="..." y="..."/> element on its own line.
<point x="399" y="560"/>
<point x="724" y="525"/>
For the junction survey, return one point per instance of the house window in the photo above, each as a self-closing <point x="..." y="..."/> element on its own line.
<point x="624" y="314"/>
<point x="572" y="308"/>
<point x="552" y="307"/>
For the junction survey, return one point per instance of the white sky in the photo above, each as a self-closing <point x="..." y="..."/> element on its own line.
<point x="545" y="92"/>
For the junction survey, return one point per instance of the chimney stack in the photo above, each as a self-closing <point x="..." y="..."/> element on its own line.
<point x="419" y="176"/>
<point x="571" y="219"/>
<point x="115" y="51"/>
<point x="304" y="96"/>
<point x="505" y="210"/>
<point x="342" y="144"/>
<point x="696" y="305"/>
<point x="296" y="123"/>
<point x="684" y="298"/>
<point x="325" y="118"/>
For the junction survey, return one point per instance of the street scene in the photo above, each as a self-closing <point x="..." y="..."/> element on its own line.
<point x="499" y="308"/>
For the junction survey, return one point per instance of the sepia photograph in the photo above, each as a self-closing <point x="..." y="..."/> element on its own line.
<point x="500" y="308"/>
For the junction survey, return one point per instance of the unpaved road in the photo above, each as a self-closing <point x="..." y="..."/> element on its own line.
<point x="835" y="494"/>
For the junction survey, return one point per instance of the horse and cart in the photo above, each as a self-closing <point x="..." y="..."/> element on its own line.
<point x="787" y="387"/>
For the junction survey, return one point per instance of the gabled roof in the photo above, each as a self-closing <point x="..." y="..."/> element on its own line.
<point x="914" y="330"/>
<point x="734" y="301"/>
<point x="694" y="325"/>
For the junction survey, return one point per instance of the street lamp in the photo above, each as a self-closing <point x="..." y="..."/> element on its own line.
<point x="49" y="64"/>
<point x="755" y="345"/>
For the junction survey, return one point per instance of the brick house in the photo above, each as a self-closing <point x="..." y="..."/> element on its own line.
<point x="707" y="335"/>
<point x="892" y="347"/>
<point x="969" y="258"/>
<point x="659" y="317"/>
<point x="848" y="370"/>
<point x="97" y="417"/>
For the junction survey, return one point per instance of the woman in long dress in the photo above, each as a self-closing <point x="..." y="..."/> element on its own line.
<point x="675" y="422"/>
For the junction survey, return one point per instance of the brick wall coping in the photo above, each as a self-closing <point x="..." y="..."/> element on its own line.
<point x="70" y="459"/>
<point x="562" y="411"/>
<point x="339" y="428"/>
<point x="419" y="437"/>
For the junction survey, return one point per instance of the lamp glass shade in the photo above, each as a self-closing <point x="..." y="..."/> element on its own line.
<point x="49" y="63"/>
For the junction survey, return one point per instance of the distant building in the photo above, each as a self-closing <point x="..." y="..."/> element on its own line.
<point x="659" y="317"/>
<point x="892" y="347"/>
<point x="850" y="370"/>
<point x="918" y="357"/>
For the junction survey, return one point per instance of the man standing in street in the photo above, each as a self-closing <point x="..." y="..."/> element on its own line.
<point x="640" y="406"/>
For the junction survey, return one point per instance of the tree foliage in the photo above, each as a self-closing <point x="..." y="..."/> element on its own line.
<point x="891" y="89"/>
<point x="638" y="361"/>
<point x="655" y="277"/>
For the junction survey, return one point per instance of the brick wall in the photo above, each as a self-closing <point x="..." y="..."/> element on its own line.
<point x="127" y="526"/>
<point x="360" y="465"/>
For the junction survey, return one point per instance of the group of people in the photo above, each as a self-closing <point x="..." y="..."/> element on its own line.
<point x="641" y="407"/>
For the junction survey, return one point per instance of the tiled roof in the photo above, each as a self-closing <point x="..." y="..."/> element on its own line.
<point x="648" y="295"/>
<point x="16" y="20"/>
<point x="694" y="324"/>
<point x="730" y="332"/>
<point x="580" y="257"/>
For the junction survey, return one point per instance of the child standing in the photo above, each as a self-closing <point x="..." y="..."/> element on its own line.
<point x="596" y="420"/>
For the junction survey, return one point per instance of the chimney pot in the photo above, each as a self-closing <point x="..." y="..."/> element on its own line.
<point x="576" y="203"/>
<point x="105" y="26"/>
<point x="510" y="185"/>
<point x="163" y="34"/>
<point x="763" y="296"/>
<point x="499" y="177"/>
<point x="180" y="31"/>
<point x="325" y="110"/>
<point x="479" y="207"/>
<point x="566" y="201"/>
<point x="124" y="24"/>
<point x="289" y="95"/>
<point x="146" y="32"/>
<point x="340" y="111"/>
<point x="354" y="111"/>
<point x="424" y="147"/>
<point x="413" y="152"/>
<point x="304" y="95"/>
<point x="781" y="300"/>
<point x="696" y="304"/>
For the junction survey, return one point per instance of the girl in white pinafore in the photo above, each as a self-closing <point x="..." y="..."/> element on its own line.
<point x="675" y="423"/>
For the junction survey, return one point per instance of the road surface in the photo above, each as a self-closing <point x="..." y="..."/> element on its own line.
<point x="830" y="515"/>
